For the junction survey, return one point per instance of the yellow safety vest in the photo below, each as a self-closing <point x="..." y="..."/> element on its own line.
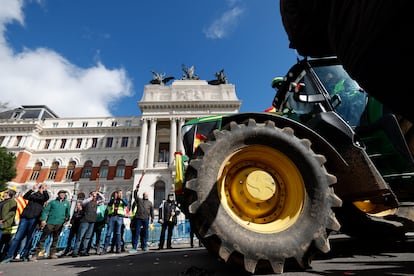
<point x="121" y="209"/>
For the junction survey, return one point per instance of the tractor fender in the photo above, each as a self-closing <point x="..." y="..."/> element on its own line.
<point x="319" y="143"/>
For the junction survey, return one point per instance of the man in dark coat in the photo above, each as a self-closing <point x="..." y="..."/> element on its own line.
<point x="74" y="227"/>
<point x="37" y="198"/>
<point x="168" y="213"/>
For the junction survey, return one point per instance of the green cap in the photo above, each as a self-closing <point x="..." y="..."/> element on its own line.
<point x="277" y="82"/>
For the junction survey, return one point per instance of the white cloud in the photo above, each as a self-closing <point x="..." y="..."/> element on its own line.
<point x="223" y="25"/>
<point x="43" y="77"/>
<point x="10" y="10"/>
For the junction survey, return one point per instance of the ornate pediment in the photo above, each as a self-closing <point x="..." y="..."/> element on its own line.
<point x="189" y="96"/>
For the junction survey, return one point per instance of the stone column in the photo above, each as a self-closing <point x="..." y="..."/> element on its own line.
<point x="173" y="139"/>
<point x="151" y="143"/>
<point x="143" y="143"/>
<point x="180" y="141"/>
<point x="29" y="141"/>
<point x="23" y="141"/>
<point x="88" y="143"/>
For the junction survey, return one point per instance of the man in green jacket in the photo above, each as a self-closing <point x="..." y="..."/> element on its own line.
<point x="8" y="211"/>
<point x="54" y="215"/>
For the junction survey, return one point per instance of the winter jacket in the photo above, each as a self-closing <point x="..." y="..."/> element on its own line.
<point x="165" y="210"/>
<point x="76" y="218"/>
<point x="35" y="205"/>
<point x="56" y="212"/>
<point x="8" y="212"/>
<point x="90" y="207"/>
<point x="143" y="208"/>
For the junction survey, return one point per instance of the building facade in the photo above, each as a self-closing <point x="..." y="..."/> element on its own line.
<point x="81" y="155"/>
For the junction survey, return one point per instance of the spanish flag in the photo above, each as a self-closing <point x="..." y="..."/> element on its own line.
<point x="179" y="172"/>
<point x="198" y="138"/>
<point x="21" y="204"/>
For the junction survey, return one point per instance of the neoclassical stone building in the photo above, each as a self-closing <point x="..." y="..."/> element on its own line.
<point x="80" y="155"/>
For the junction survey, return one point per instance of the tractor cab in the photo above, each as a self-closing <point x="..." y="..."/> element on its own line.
<point x="316" y="86"/>
<point x="320" y="85"/>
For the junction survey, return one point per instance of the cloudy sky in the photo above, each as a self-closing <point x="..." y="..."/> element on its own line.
<point x="93" y="57"/>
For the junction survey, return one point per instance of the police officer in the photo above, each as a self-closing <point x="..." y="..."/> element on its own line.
<point x="168" y="213"/>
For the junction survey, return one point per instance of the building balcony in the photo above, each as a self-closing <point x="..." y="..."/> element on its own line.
<point x="161" y="165"/>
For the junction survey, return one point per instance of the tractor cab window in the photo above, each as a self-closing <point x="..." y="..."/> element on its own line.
<point x="348" y="98"/>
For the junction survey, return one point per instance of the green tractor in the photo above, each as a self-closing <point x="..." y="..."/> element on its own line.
<point x="261" y="189"/>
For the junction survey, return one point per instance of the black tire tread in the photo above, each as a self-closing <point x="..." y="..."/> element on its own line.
<point x="209" y="226"/>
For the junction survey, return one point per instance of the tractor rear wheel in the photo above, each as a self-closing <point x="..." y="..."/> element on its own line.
<point x="261" y="196"/>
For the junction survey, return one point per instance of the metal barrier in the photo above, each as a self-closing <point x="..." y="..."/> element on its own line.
<point x="181" y="234"/>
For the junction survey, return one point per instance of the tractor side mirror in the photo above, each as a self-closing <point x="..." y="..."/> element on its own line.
<point x="310" y="98"/>
<point x="336" y="100"/>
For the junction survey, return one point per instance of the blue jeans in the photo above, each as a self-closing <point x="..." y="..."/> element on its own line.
<point x="25" y="229"/>
<point x="144" y="224"/>
<point x="114" y="228"/>
<point x="83" y="236"/>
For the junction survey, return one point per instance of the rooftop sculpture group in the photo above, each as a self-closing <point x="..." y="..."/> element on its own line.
<point x="159" y="78"/>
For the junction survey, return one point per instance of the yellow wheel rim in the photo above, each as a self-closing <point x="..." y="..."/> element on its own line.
<point x="261" y="189"/>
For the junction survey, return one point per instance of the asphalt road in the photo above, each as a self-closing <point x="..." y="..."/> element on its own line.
<point x="347" y="257"/>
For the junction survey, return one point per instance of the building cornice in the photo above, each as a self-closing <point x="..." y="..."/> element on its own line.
<point x="90" y="130"/>
<point x="10" y="127"/>
<point x="189" y="105"/>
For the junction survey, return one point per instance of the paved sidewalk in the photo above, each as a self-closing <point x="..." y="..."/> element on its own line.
<point x="152" y="262"/>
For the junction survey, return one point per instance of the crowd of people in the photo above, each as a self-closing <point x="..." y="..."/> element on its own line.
<point x="32" y="222"/>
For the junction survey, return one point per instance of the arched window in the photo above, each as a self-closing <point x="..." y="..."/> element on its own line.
<point x="36" y="171"/>
<point x="103" y="170"/>
<point x="159" y="193"/>
<point x="135" y="164"/>
<point x="70" y="170"/>
<point x="53" y="170"/>
<point x="87" y="169"/>
<point x="120" y="168"/>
